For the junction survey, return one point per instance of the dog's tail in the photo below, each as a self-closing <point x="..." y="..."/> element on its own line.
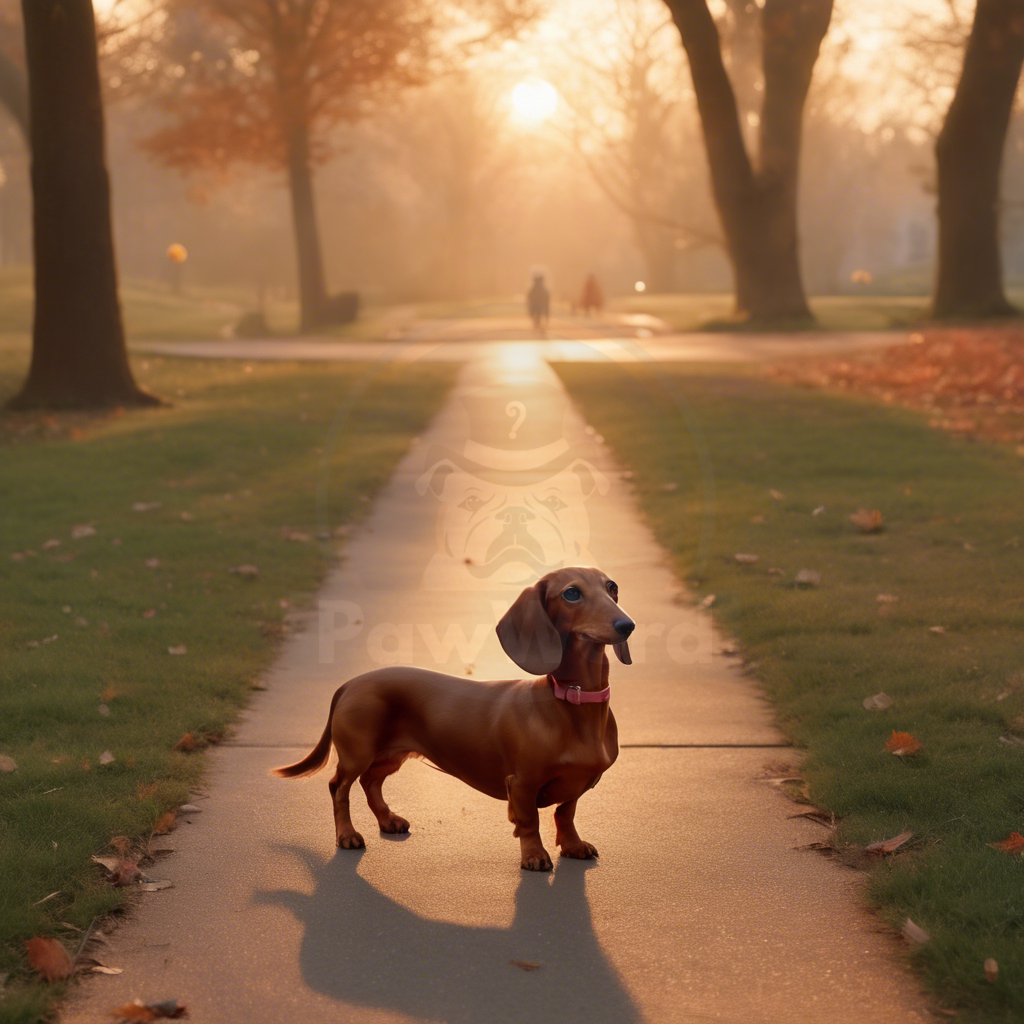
<point x="317" y="757"/>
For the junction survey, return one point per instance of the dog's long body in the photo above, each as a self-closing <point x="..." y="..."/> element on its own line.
<point x="513" y="739"/>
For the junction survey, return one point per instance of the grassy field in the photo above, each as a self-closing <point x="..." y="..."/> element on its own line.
<point x="929" y="611"/>
<point x="120" y="537"/>
<point x="833" y="312"/>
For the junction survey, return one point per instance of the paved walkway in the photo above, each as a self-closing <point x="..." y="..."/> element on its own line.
<point x="700" y="908"/>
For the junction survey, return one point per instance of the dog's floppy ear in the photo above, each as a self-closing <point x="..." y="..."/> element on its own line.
<point x="622" y="653"/>
<point x="527" y="635"/>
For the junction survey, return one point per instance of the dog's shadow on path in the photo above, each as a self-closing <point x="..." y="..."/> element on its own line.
<point x="361" y="947"/>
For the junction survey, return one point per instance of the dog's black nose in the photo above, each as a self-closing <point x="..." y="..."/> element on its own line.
<point x="624" y="626"/>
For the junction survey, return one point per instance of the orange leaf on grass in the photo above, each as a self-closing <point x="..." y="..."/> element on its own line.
<point x="165" y="823"/>
<point x="867" y="520"/>
<point x="902" y="744"/>
<point x="49" y="958"/>
<point x="187" y="742"/>
<point x="1013" y="843"/>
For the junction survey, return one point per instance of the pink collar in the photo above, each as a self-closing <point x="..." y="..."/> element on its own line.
<point x="576" y="695"/>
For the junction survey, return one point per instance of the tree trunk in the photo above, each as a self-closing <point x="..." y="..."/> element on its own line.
<point x="79" y="358"/>
<point x="758" y="205"/>
<point x="969" y="154"/>
<point x="312" y="289"/>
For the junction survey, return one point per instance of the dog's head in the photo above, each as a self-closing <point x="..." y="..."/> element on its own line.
<point x="580" y="601"/>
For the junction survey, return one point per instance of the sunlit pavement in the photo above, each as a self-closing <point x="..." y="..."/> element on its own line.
<point x="701" y="906"/>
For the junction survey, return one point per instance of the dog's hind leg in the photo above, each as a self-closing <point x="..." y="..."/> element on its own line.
<point x="372" y="781"/>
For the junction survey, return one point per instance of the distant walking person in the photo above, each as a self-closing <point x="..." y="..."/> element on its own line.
<point x="538" y="303"/>
<point x="592" y="298"/>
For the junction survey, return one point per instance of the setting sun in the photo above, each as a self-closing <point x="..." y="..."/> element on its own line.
<point x="534" y="101"/>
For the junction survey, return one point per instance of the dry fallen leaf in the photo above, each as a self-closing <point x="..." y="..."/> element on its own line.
<point x="886" y="598"/>
<point x="85" y="530"/>
<point x="102" y="969"/>
<point x="179" y="649"/>
<point x="879" y="702"/>
<point x="152" y="563"/>
<point x="777" y="495"/>
<point x="122" y="870"/>
<point x="7" y="764"/>
<point x="145" y="792"/>
<point x="149" y="613"/>
<point x="867" y="520"/>
<point x="156" y="884"/>
<point x="818" y="510"/>
<point x="107" y="757"/>
<point x="707" y="602"/>
<point x="139" y="1011"/>
<point x="807" y="578"/>
<point x="902" y="744"/>
<point x="889" y="845"/>
<point x="914" y="933"/>
<point x="991" y="971"/>
<point x="49" y="545"/>
<point x="165" y="823"/>
<point x="526" y="965"/>
<point x="245" y="570"/>
<point x="189" y="809"/>
<point x="48" y="958"/>
<point x="746" y="559"/>
<point x="187" y="742"/>
<point x="145" y="506"/>
<point x="937" y="629"/>
<point x="135" y="1011"/>
<point x="1013" y="843"/>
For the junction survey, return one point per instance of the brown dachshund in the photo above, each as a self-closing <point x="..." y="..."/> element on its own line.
<point x="533" y="742"/>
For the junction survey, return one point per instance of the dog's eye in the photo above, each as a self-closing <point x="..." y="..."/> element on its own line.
<point x="472" y="503"/>
<point x="554" y="503"/>
<point x="572" y="593"/>
<point x="613" y="588"/>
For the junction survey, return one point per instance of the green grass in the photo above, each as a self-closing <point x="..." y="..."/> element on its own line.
<point x="244" y="453"/>
<point x="952" y="551"/>
<point x="152" y="311"/>
<point x="833" y="312"/>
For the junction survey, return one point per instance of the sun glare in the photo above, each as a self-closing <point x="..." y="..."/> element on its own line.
<point x="533" y="101"/>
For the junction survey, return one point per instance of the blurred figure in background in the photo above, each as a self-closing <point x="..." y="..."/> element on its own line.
<point x="592" y="298"/>
<point x="538" y="303"/>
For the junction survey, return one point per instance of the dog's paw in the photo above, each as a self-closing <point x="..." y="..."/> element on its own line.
<point x="351" y="841"/>
<point x="537" y="862"/>
<point x="580" y="850"/>
<point x="394" y="824"/>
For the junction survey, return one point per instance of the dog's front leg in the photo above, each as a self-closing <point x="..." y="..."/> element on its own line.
<point x="522" y="812"/>
<point x="567" y="839"/>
